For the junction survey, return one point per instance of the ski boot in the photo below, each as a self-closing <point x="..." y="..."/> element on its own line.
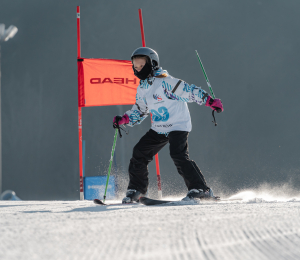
<point x="195" y="194"/>
<point x="131" y="196"/>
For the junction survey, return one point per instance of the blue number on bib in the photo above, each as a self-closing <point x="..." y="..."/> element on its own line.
<point x="161" y="115"/>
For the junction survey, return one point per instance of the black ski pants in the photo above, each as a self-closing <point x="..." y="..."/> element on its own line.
<point x="149" y="145"/>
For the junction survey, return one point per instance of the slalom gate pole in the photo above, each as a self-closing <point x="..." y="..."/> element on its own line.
<point x="79" y="112"/>
<point x="158" y="178"/>
<point x="142" y="28"/>
<point x="110" y="163"/>
<point x="83" y="158"/>
<point x="206" y="78"/>
<point x="156" y="156"/>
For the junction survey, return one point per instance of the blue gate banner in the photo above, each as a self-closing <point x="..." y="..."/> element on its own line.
<point x="94" y="187"/>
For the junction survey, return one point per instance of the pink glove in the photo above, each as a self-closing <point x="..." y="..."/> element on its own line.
<point x="121" y="120"/>
<point x="215" y="104"/>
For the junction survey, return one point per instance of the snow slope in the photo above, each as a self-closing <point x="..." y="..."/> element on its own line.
<point x="253" y="228"/>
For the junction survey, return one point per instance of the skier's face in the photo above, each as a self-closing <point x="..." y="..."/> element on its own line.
<point x="139" y="63"/>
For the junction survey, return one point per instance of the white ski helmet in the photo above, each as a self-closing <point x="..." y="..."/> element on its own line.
<point x="150" y="53"/>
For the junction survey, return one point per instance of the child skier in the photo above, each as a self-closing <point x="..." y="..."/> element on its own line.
<point x="165" y="98"/>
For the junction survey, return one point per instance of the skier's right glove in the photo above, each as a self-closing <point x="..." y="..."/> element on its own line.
<point x="214" y="104"/>
<point x="120" y="120"/>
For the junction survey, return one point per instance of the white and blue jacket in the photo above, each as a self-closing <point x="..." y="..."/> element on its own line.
<point x="165" y="98"/>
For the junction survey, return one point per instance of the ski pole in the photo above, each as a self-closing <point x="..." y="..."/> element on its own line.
<point x="209" y="86"/>
<point x="110" y="163"/>
<point x="206" y="78"/>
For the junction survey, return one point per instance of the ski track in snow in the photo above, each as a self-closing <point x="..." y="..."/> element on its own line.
<point x="248" y="229"/>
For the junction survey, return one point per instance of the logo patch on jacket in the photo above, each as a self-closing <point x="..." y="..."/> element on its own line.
<point x="157" y="97"/>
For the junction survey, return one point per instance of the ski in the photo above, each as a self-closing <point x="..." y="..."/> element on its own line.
<point x="150" y="202"/>
<point x="101" y="203"/>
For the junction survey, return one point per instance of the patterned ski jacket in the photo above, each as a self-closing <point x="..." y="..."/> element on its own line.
<point x="165" y="98"/>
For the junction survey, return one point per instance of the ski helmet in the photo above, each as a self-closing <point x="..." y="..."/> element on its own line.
<point x="150" y="53"/>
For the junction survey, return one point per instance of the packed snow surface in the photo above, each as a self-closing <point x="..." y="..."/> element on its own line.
<point x="250" y="227"/>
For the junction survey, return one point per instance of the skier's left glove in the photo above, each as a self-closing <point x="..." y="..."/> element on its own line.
<point x="215" y="104"/>
<point x="120" y="120"/>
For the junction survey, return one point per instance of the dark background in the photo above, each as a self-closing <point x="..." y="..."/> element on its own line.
<point x="250" y="50"/>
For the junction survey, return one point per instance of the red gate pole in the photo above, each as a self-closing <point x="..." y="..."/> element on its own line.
<point x="142" y="28"/>
<point x="156" y="156"/>
<point x="79" y="112"/>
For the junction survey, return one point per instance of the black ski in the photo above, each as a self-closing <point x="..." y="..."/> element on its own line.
<point x="150" y="202"/>
<point x="100" y="202"/>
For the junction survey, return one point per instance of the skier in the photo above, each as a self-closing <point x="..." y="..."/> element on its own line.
<point x="165" y="98"/>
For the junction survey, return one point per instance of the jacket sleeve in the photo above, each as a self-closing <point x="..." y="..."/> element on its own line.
<point x="138" y="112"/>
<point x="182" y="91"/>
